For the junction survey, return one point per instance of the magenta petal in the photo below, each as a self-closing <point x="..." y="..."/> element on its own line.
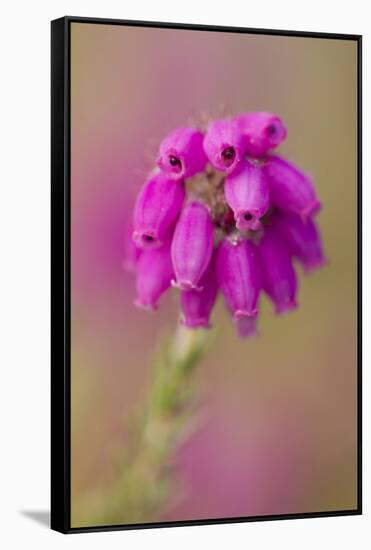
<point x="181" y="153"/>
<point x="239" y="280"/>
<point x="132" y="251"/>
<point x="263" y="131"/>
<point x="247" y="193"/>
<point x="224" y="144"/>
<point x="196" y="305"/>
<point x="279" y="278"/>
<point x="192" y="245"/>
<point x="156" y="210"/>
<point x="154" y="274"/>
<point x="303" y="239"/>
<point x="246" y="327"/>
<point x="291" y="190"/>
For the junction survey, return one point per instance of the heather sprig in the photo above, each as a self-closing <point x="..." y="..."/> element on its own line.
<point x="222" y="212"/>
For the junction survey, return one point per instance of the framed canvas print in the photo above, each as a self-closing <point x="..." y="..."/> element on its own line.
<point x="206" y="274"/>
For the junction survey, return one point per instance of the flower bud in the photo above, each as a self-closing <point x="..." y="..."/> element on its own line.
<point x="239" y="280"/>
<point x="224" y="144"/>
<point x="247" y="193"/>
<point x="278" y="274"/>
<point x="196" y="305"/>
<point x="154" y="274"/>
<point x="192" y="246"/>
<point x="156" y="210"/>
<point x="303" y="239"/>
<point x="264" y="131"/>
<point x="291" y="190"/>
<point x="181" y="153"/>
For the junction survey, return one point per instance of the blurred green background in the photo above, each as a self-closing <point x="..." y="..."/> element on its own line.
<point x="277" y="422"/>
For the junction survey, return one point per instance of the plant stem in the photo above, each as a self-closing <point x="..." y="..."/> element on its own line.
<point x="144" y="480"/>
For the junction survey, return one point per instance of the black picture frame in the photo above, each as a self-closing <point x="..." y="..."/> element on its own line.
<point x="60" y="272"/>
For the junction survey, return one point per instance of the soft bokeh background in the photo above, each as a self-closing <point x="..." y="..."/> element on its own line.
<point x="278" y="417"/>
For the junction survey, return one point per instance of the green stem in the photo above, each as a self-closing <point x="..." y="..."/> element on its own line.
<point x="144" y="480"/>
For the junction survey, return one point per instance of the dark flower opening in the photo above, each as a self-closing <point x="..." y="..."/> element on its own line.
<point x="145" y="240"/>
<point x="248" y="217"/>
<point x="271" y="130"/>
<point x="228" y="156"/>
<point x="148" y="238"/>
<point x="175" y="163"/>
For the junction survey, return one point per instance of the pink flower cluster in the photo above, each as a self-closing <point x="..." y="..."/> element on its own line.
<point x="222" y="213"/>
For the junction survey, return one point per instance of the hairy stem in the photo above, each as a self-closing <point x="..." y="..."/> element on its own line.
<point x="144" y="475"/>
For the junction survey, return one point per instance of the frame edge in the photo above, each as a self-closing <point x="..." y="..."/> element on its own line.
<point x="60" y="379"/>
<point x="60" y="275"/>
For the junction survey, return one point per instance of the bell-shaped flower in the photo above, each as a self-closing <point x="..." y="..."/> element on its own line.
<point x="290" y="189"/>
<point x="196" y="305"/>
<point x="154" y="273"/>
<point x="192" y="246"/>
<point x="303" y="238"/>
<point x="239" y="280"/>
<point x="278" y="273"/>
<point x="246" y="191"/>
<point x="263" y="131"/>
<point x="156" y="210"/>
<point x="224" y="144"/>
<point x="181" y="153"/>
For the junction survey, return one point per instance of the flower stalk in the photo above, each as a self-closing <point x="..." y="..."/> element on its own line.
<point x="142" y="483"/>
